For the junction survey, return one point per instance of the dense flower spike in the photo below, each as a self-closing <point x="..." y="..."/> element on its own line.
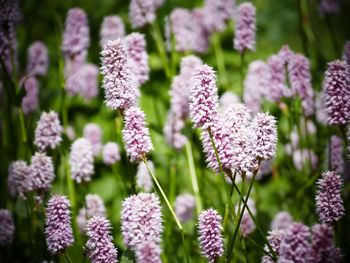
<point x="141" y="219"/>
<point x="275" y="237"/>
<point x="136" y="135"/>
<point x="255" y="85"/>
<point x="300" y="80"/>
<point x="337" y="92"/>
<point x="200" y="32"/>
<point x="329" y="205"/>
<point x="247" y="225"/>
<point x="138" y="57"/>
<point x="148" y="252"/>
<point x="329" y="7"/>
<point x="336" y="154"/>
<point x="76" y="38"/>
<point x="227" y="99"/>
<point x="9" y="18"/>
<point x="204" y="101"/>
<point x="81" y="160"/>
<point x="265" y="136"/>
<point x="217" y="13"/>
<point x="182" y="27"/>
<point x="209" y="235"/>
<point x="99" y="246"/>
<point x="20" y="179"/>
<point x="31" y="100"/>
<point x="7" y="227"/>
<point x="84" y="81"/>
<point x="42" y="172"/>
<point x="120" y="91"/>
<point x="58" y="229"/>
<point x="93" y="133"/>
<point x="295" y="245"/>
<point x="184" y="206"/>
<point x="282" y="220"/>
<point x="93" y="207"/>
<point x="321" y="114"/>
<point x="323" y="249"/>
<point x="38" y="59"/>
<point x="112" y="28"/>
<point x="142" y="13"/>
<point x="143" y="178"/>
<point x="276" y="78"/>
<point x="48" y="132"/>
<point x="110" y="153"/>
<point x="172" y="130"/>
<point x="223" y="145"/>
<point x="346" y="53"/>
<point x="245" y="27"/>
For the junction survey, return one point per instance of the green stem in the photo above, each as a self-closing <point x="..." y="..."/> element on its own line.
<point x="23" y="126"/>
<point x="301" y="28"/>
<point x="220" y="60"/>
<point x="157" y="36"/>
<point x="232" y="242"/>
<point x="160" y="190"/>
<point x="333" y="34"/>
<point x="66" y="257"/>
<point x="193" y="177"/>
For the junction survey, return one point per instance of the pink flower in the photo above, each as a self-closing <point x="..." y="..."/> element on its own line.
<point x="38" y="59"/>
<point x="81" y="160"/>
<point x="93" y="133"/>
<point x="43" y="172"/>
<point x="112" y="28"/>
<point x="217" y="13"/>
<point x="7" y="227"/>
<point x="110" y="153"/>
<point x="31" y="100"/>
<point x="20" y="179"/>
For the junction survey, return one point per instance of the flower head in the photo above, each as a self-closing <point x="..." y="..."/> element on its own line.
<point x="7" y="227"/>
<point x="275" y="237"/>
<point x="20" y="179"/>
<point x="136" y="135"/>
<point x="120" y="91"/>
<point x="184" y="206"/>
<point x="204" y="101"/>
<point x="58" y="229"/>
<point x="346" y="53"/>
<point x="93" y="133"/>
<point x="337" y="92"/>
<point x="172" y="130"/>
<point x="336" y="154"/>
<point x="42" y="172"/>
<point x="300" y="80"/>
<point x="143" y="178"/>
<point x="265" y="136"/>
<point x="148" y="252"/>
<point x="209" y="235"/>
<point x="110" y="153"/>
<point x="81" y="160"/>
<point x="255" y="85"/>
<point x="48" y="132"/>
<point x="38" y="59"/>
<point x="282" y="220"/>
<point x="142" y="13"/>
<point x="141" y="219"/>
<point x="138" y="57"/>
<point x="217" y="13"/>
<point x="245" y="19"/>
<point x="276" y="78"/>
<point x="227" y="99"/>
<point x="31" y="100"/>
<point x="323" y="249"/>
<point x="200" y="33"/>
<point x="112" y="28"/>
<point x="329" y="205"/>
<point x="99" y="246"/>
<point x="76" y="38"/>
<point x="295" y="245"/>
<point x="329" y="7"/>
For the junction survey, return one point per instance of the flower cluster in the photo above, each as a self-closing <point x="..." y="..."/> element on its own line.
<point x="142" y="13"/>
<point x="329" y="205"/>
<point x="245" y="19"/>
<point x="112" y="28"/>
<point x="48" y="132"/>
<point x="336" y="154"/>
<point x="110" y="153"/>
<point x="184" y="206"/>
<point x="217" y="13"/>
<point x="38" y="59"/>
<point x="31" y="100"/>
<point x="7" y="227"/>
<point x="81" y="160"/>
<point x="143" y="178"/>
<point x="148" y="252"/>
<point x="42" y="170"/>
<point x="282" y="220"/>
<point x="99" y="246"/>
<point x="136" y="135"/>
<point x="58" y="229"/>
<point x="141" y="219"/>
<point x="93" y="133"/>
<point x="20" y="179"/>
<point x="209" y="235"/>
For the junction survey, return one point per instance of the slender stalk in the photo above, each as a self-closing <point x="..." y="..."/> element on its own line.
<point x="160" y="190"/>
<point x="232" y="242"/>
<point x="23" y="125"/>
<point x="242" y="73"/>
<point x="193" y="177"/>
<point x="301" y="29"/>
<point x="220" y="60"/>
<point x="67" y="257"/>
<point x="333" y="34"/>
<point x="157" y="36"/>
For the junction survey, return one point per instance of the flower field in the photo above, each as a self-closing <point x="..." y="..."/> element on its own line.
<point x="173" y="131"/>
